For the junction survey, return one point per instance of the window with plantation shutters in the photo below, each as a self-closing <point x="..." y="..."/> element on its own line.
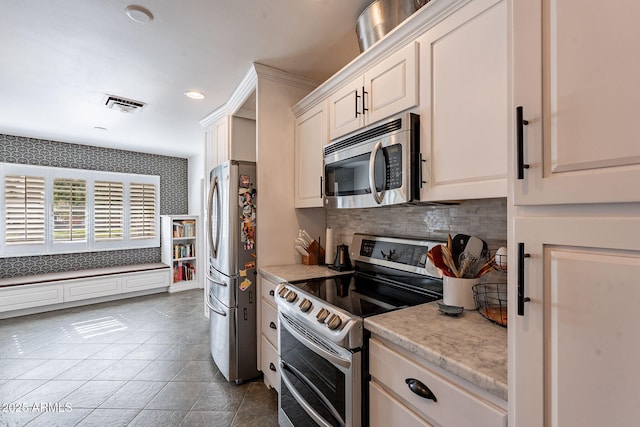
<point x="24" y="219"/>
<point x="142" y="210"/>
<point x="108" y="210"/>
<point x="47" y="210"/>
<point x="69" y="210"/>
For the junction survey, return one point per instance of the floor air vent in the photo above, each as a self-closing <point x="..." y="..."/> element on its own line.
<point x="123" y="104"/>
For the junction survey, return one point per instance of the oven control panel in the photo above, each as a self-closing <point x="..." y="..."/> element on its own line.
<point x="323" y="318"/>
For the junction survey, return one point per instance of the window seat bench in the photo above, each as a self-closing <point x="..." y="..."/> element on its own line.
<point x="52" y="291"/>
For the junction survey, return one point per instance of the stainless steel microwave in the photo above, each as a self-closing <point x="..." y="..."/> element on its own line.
<point x="378" y="166"/>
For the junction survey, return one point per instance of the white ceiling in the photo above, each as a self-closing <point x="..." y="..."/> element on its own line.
<point x="58" y="58"/>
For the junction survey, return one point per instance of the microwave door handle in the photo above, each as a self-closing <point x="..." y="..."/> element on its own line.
<point x="372" y="174"/>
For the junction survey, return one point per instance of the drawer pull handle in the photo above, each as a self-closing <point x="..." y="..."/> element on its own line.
<point x="420" y="389"/>
<point x="272" y="325"/>
<point x="272" y="366"/>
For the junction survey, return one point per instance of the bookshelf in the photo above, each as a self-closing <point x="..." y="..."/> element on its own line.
<point x="180" y="250"/>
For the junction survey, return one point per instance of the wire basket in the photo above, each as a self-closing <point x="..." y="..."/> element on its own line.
<point x="491" y="301"/>
<point x="499" y="262"/>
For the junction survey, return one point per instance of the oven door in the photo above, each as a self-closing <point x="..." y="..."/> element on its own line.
<point x="319" y="382"/>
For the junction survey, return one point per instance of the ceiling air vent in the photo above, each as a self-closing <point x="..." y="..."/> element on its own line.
<point x="123" y="104"/>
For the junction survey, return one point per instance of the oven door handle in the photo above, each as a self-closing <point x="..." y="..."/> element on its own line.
<point x="300" y="399"/>
<point x="372" y="174"/>
<point x="339" y="361"/>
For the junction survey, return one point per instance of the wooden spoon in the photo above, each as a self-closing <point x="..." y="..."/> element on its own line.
<point x="435" y="255"/>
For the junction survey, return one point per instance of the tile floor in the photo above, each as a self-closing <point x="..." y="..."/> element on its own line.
<point x="138" y="362"/>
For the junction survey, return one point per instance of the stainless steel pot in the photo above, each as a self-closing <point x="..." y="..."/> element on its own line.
<point x="382" y="16"/>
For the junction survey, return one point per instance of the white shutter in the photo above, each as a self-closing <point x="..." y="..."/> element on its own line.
<point x="69" y="207"/>
<point x="142" y="211"/>
<point x="108" y="208"/>
<point x="24" y="209"/>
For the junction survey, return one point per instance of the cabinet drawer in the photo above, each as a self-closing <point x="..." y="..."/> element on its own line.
<point x="269" y="323"/>
<point x="92" y="288"/>
<point x="146" y="280"/>
<point x="269" y="364"/>
<point x="19" y="297"/>
<point x="455" y="406"/>
<point x="268" y="290"/>
<point x="384" y="410"/>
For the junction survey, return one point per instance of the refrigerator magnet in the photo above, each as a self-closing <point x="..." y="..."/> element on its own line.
<point x="245" y="181"/>
<point x="244" y="285"/>
<point x="243" y="273"/>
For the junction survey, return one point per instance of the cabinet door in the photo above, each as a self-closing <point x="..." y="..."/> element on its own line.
<point x="385" y="410"/>
<point x="392" y="85"/>
<point x="464" y="104"/>
<point x="221" y="141"/>
<point x="345" y="107"/>
<point x="311" y="136"/>
<point x="579" y="94"/>
<point x="574" y="352"/>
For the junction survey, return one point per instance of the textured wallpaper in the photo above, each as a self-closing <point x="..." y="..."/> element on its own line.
<point x="174" y="198"/>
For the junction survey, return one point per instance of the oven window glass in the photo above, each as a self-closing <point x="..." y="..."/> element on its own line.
<point x="327" y="378"/>
<point x="350" y="177"/>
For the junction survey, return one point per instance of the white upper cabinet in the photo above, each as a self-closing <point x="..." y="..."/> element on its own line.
<point x="464" y="104"/>
<point x="311" y="137"/>
<point x="574" y="345"/>
<point x="576" y="72"/>
<point x="386" y="88"/>
<point x="228" y="138"/>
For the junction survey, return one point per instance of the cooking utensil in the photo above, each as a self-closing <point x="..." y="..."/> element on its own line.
<point x="458" y="244"/>
<point x="301" y="250"/>
<point x="435" y="255"/>
<point x="449" y="261"/>
<point x="306" y="237"/>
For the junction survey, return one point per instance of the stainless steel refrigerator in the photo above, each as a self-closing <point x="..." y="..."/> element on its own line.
<point x="232" y="274"/>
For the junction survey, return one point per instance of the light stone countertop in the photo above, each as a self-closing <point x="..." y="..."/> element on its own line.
<point x="298" y="272"/>
<point x="469" y="346"/>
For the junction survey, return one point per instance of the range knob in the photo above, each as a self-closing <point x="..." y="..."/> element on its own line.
<point x="282" y="292"/>
<point x="334" y="322"/>
<point x="305" y="305"/>
<point x="322" y="314"/>
<point x="291" y="296"/>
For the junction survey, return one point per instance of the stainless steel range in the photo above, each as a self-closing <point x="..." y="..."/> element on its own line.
<point x="321" y="327"/>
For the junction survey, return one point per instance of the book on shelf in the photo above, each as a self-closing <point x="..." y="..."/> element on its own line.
<point x="183" y="272"/>
<point x="185" y="228"/>
<point x="186" y="250"/>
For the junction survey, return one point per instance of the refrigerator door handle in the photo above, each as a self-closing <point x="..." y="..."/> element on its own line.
<point x="214" y="309"/>
<point x="217" y="282"/>
<point x="213" y="243"/>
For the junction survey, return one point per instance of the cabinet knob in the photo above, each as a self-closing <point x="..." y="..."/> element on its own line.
<point x="272" y="366"/>
<point x="420" y="389"/>
<point x="272" y="292"/>
<point x="272" y="325"/>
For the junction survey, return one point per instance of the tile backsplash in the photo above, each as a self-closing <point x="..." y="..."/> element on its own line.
<point x="486" y="219"/>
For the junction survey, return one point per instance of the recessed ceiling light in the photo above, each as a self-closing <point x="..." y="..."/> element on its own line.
<point x="194" y="94"/>
<point x="139" y="14"/>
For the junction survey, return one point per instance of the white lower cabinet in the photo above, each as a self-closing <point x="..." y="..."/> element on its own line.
<point x="574" y="345"/>
<point x="444" y="399"/>
<point x="269" y="364"/>
<point x="28" y="296"/>
<point x="268" y="334"/>
<point x="83" y="289"/>
<point x="385" y="410"/>
<point x="145" y="280"/>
